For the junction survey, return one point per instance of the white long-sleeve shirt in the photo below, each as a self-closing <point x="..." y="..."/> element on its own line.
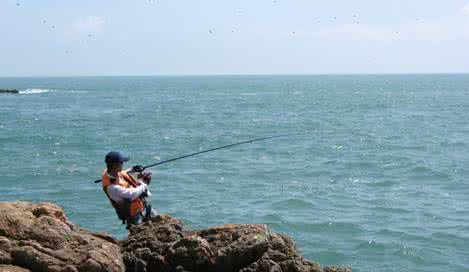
<point x="119" y="193"/>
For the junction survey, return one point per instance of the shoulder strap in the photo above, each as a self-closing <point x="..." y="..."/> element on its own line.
<point x="129" y="179"/>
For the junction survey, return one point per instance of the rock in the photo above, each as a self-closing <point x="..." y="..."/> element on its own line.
<point x="163" y="245"/>
<point x="13" y="91"/>
<point x="40" y="238"/>
<point x="12" y="268"/>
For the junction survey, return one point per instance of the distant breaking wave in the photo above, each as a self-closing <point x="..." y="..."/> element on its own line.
<point x="35" y="91"/>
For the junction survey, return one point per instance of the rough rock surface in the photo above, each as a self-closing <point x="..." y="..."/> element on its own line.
<point x="12" y="268"/>
<point x="40" y="238"/>
<point x="163" y="245"/>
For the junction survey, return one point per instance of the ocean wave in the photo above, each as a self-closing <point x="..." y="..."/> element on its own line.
<point x="421" y="171"/>
<point x="35" y="91"/>
<point x="338" y="228"/>
<point x="293" y="203"/>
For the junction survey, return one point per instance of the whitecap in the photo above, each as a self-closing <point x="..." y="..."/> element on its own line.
<point x="35" y="91"/>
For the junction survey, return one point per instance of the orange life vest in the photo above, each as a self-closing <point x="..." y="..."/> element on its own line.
<point x="128" y="209"/>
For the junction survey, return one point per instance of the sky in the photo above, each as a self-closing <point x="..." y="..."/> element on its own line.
<point x="214" y="37"/>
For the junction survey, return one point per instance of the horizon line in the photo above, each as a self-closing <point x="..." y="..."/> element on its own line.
<point x="260" y="74"/>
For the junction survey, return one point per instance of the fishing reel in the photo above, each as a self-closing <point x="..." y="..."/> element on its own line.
<point x="142" y="174"/>
<point x="138" y="169"/>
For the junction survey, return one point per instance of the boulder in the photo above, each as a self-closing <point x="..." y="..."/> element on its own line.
<point x="163" y="245"/>
<point x="13" y="91"/>
<point x="39" y="237"/>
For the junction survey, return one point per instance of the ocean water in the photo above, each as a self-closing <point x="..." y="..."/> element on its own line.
<point x="381" y="184"/>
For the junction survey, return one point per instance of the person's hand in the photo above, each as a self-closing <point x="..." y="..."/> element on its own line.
<point x="145" y="176"/>
<point x="137" y="168"/>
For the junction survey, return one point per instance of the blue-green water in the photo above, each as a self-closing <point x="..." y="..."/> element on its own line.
<point x="381" y="186"/>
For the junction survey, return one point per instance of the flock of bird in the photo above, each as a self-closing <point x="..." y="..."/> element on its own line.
<point x="355" y="20"/>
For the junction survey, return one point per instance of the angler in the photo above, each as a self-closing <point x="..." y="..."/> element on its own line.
<point x="128" y="195"/>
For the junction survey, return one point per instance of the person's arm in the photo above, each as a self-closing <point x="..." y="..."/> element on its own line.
<point x="117" y="192"/>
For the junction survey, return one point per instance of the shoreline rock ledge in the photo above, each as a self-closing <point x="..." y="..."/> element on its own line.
<point x="38" y="237"/>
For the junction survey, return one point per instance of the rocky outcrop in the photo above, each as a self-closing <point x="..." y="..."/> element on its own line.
<point x="40" y="238"/>
<point x="163" y="245"/>
<point x="13" y="91"/>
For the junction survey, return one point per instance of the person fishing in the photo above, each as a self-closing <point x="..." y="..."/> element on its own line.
<point x="127" y="195"/>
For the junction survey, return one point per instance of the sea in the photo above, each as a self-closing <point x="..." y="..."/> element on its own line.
<point x="379" y="183"/>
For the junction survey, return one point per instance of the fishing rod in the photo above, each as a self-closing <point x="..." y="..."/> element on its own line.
<point x="218" y="148"/>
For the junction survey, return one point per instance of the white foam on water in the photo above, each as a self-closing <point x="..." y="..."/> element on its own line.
<point x="35" y="91"/>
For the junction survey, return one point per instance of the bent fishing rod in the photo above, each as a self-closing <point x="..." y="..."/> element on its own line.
<point x="218" y="148"/>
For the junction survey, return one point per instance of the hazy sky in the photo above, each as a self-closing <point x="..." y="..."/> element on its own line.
<point x="180" y="37"/>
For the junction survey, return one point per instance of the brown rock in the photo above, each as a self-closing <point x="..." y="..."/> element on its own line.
<point x="12" y="268"/>
<point x="163" y="245"/>
<point x="39" y="237"/>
